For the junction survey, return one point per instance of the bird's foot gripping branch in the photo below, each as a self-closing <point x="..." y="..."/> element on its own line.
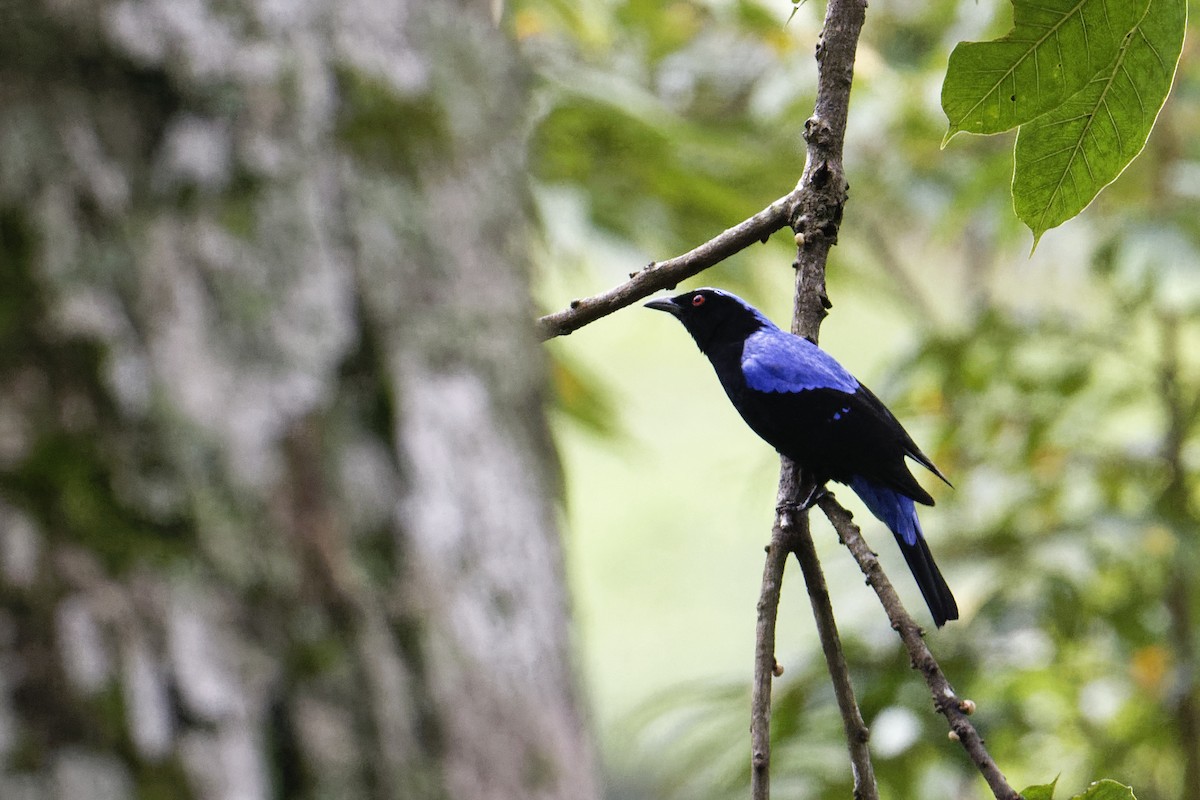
<point x="810" y="493"/>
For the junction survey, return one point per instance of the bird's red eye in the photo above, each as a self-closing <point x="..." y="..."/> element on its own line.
<point x="697" y="300"/>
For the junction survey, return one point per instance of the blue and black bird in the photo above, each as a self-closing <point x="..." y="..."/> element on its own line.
<point x="809" y="408"/>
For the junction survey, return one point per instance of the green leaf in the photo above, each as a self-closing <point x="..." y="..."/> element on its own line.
<point x="1105" y="790"/>
<point x="1100" y="790"/>
<point x="1044" y="791"/>
<point x="1064" y="158"/>
<point x="1053" y="50"/>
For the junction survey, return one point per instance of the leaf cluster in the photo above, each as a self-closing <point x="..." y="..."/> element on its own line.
<point x="1082" y="80"/>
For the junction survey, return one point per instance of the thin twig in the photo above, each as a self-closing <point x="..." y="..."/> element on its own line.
<point x="764" y="662"/>
<point x="945" y="700"/>
<point x="667" y="274"/>
<point x="791" y="490"/>
<point x="791" y="534"/>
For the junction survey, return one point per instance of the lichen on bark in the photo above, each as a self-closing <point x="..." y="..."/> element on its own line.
<point x="274" y="472"/>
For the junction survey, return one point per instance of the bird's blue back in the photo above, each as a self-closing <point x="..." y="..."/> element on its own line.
<point x="774" y="360"/>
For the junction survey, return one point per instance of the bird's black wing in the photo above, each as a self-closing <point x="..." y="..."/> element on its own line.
<point x="808" y="407"/>
<point x="836" y="435"/>
<point x="909" y="446"/>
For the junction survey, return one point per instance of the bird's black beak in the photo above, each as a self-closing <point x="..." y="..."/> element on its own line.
<point x="667" y="305"/>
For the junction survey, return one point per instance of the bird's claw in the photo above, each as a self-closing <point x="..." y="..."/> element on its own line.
<point x="814" y="496"/>
<point x="811" y="499"/>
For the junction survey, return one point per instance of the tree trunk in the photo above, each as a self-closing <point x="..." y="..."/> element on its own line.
<point x="276" y="492"/>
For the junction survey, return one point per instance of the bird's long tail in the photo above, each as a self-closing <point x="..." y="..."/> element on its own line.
<point x="899" y="513"/>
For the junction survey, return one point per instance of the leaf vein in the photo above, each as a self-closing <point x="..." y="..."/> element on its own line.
<point x="1157" y="55"/>
<point x="1053" y="31"/>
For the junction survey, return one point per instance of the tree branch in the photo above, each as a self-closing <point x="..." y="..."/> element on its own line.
<point x="824" y="188"/>
<point x="792" y="490"/>
<point x="945" y="700"/>
<point x="667" y="274"/>
<point x="791" y="534"/>
<point x="816" y="216"/>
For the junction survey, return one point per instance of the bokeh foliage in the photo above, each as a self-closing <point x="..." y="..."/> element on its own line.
<point x="1061" y="393"/>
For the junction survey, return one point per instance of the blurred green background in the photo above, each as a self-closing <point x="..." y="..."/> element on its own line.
<point x="1060" y="391"/>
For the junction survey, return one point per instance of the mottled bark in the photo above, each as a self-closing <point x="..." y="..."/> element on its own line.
<point x="276" y="494"/>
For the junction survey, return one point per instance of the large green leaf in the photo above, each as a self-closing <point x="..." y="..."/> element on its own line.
<point x="1053" y="50"/>
<point x="1064" y="158"/>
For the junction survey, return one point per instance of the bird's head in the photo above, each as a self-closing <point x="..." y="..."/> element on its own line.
<point x="713" y="316"/>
